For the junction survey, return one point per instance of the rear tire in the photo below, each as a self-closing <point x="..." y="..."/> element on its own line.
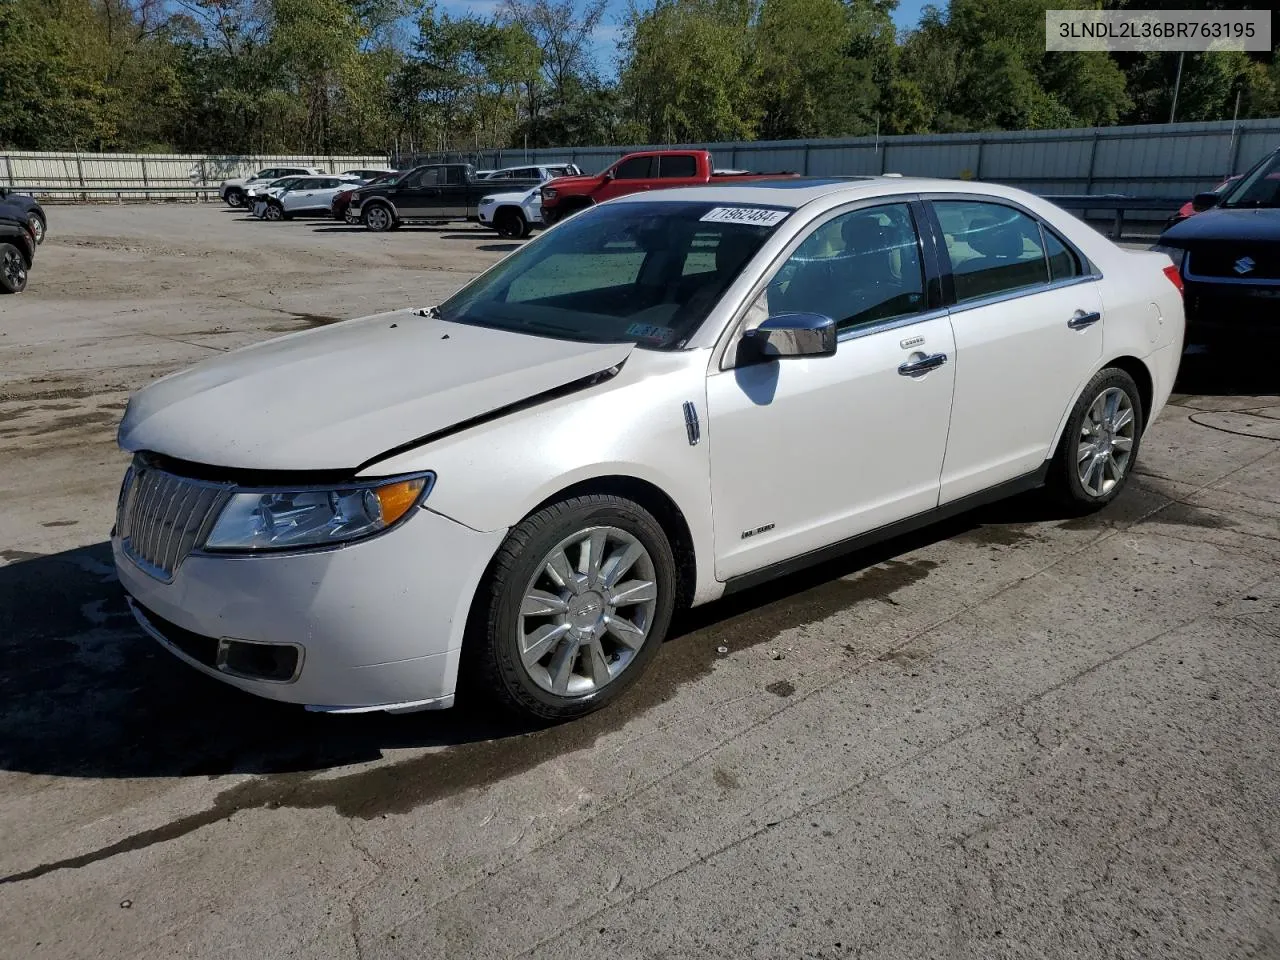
<point x="1099" y="445"/>
<point x="510" y="224"/>
<point x="556" y="645"/>
<point x="235" y="198"/>
<point x="13" y="269"/>
<point x="37" y="227"/>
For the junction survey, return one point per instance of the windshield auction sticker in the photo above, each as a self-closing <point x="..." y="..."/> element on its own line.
<point x="756" y="216"/>
<point x="1185" y="30"/>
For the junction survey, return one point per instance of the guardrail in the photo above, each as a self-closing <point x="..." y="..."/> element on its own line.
<point x="1117" y="206"/>
<point x="199" y="193"/>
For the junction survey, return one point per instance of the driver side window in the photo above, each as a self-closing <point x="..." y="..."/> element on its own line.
<point x="859" y="268"/>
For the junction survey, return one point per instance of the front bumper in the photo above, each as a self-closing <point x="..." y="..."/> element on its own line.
<point x="377" y="625"/>
<point x="485" y="215"/>
<point x="1226" y="309"/>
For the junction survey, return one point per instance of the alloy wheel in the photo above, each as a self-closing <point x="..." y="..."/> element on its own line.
<point x="37" y="227"/>
<point x="15" y="270"/>
<point x="587" y="611"/>
<point x="273" y="212"/>
<point x="1105" y="448"/>
<point x="377" y="218"/>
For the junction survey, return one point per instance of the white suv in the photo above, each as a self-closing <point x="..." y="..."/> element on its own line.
<point x="235" y="191"/>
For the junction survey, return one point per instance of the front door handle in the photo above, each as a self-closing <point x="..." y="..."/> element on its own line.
<point x="1082" y="320"/>
<point x="914" y="368"/>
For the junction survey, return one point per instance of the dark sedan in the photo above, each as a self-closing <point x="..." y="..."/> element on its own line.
<point x="1229" y="256"/>
<point x="17" y="251"/>
<point x="19" y="205"/>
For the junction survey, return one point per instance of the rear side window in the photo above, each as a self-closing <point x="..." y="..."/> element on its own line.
<point x="429" y="177"/>
<point x="1063" y="262"/>
<point x="304" y="184"/>
<point x="993" y="249"/>
<point x="454" y="175"/>
<point x="681" y="165"/>
<point x="637" y="168"/>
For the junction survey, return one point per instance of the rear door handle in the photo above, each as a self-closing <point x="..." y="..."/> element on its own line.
<point x="913" y="368"/>
<point x="1082" y="320"/>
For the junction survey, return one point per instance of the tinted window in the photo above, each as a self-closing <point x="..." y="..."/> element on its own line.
<point x="1063" y="263"/>
<point x="305" y="184"/>
<point x="528" y="173"/>
<point x="637" y="168"/>
<point x="427" y="177"/>
<point x="454" y="175"/>
<point x="1260" y="187"/>
<point x="269" y="174"/>
<point x="647" y="273"/>
<point x="859" y="268"/>
<point x="993" y="248"/>
<point x="682" y="165"/>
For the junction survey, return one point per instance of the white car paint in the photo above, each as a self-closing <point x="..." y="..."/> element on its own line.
<point x="528" y="202"/>
<point x="264" y="177"/>
<point x="793" y="456"/>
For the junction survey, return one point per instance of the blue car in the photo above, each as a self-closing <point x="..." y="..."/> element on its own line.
<point x="19" y="206"/>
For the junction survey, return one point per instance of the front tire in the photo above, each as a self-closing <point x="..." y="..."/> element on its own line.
<point x="13" y="269"/>
<point x="235" y="198"/>
<point x="511" y="224"/>
<point x="377" y="218"/>
<point x="575" y="605"/>
<point x="1099" y="446"/>
<point x="275" y="213"/>
<point x="37" y="227"/>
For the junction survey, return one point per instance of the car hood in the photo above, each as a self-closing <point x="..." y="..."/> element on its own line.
<point x="1225" y="224"/>
<point x="573" y="183"/>
<point x="337" y="397"/>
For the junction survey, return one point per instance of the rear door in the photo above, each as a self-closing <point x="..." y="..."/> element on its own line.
<point x="458" y="196"/>
<point x="678" y="170"/>
<point x="1027" y="318"/>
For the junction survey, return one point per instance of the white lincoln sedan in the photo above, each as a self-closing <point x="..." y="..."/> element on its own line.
<point x="663" y="399"/>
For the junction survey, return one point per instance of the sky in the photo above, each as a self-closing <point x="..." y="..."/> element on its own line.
<point x="905" y="17"/>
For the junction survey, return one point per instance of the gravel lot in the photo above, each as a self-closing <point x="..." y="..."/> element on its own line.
<point x="1009" y="736"/>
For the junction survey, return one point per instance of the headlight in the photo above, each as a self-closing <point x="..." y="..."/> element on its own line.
<point x="487" y="202"/>
<point x="293" y="519"/>
<point x="548" y="193"/>
<point x="1176" y="254"/>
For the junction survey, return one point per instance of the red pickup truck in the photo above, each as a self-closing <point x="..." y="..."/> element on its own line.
<point x="648" y="170"/>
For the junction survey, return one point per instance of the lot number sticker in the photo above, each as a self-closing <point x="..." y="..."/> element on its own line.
<point x="757" y="216"/>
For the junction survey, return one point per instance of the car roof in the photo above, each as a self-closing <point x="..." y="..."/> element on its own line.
<point x="795" y="192"/>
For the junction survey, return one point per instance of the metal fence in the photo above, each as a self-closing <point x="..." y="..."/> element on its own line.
<point x="97" y="176"/>
<point x="1169" y="159"/>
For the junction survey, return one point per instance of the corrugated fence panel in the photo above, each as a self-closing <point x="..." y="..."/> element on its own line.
<point x="101" y="173"/>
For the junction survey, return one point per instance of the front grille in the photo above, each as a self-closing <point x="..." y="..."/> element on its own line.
<point x="164" y="516"/>
<point x="1220" y="260"/>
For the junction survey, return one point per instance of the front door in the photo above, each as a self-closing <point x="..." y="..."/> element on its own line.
<point x="806" y="452"/>
<point x="1028" y="325"/>
<point x="420" y="196"/>
<point x="626" y="177"/>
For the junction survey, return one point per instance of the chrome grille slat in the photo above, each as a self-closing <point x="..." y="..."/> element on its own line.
<point x="165" y="516"/>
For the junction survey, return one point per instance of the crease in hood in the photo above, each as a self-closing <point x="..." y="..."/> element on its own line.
<point x="336" y="397"/>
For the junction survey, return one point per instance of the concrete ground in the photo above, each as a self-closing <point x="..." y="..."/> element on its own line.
<point x="1013" y="735"/>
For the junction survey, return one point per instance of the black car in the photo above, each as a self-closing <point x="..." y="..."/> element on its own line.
<point x="434" y="192"/>
<point x="17" y="204"/>
<point x="17" y="251"/>
<point x="1229" y="256"/>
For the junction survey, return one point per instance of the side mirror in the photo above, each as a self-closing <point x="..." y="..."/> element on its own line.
<point x="793" y="335"/>
<point x="1203" y="201"/>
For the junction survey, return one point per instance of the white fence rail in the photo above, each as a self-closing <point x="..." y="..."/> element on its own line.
<point x="110" y="176"/>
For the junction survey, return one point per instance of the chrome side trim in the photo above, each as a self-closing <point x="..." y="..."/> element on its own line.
<point x="893" y="323"/>
<point x="691" y="425"/>
<point x="1024" y="292"/>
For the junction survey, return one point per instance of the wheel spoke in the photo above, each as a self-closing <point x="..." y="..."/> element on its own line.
<point x="591" y="556"/>
<point x="534" y="646"/>
<point x="1097" y="410"/>
<point x="618" y="564"/>
<point x="624" y="631"/>
<point x="1085" y="451"/>
<point x="1095" y="470"/>
<point x="1124" y="418"/>
<point x="1114" y="467"/>
<point x="633" y="591"/>
<point x="540" y="603"/>
<point x="1123" y="444"/>
<point x="596" y="663"/>
<point x="561" y="668"/>
<point x="1112" y="404"/>
<point x="558" y="568"/>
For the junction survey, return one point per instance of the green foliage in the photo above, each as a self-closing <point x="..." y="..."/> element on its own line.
<point x="234" y="76"/>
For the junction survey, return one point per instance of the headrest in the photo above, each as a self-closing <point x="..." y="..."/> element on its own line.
<point x="863" y="235"/>
<point x="995" y="238"/>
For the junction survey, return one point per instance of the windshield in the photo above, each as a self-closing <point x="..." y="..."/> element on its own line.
<point x="646" y="273"/>
<point x="1260" y="187"/>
